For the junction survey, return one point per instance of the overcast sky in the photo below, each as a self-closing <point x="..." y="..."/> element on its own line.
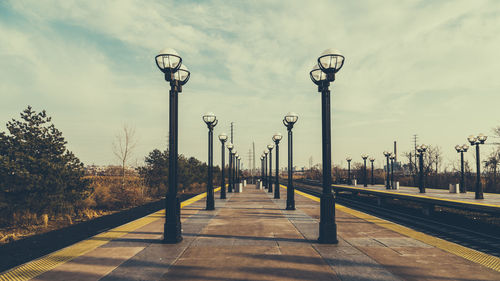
<point x="412" y="67"/>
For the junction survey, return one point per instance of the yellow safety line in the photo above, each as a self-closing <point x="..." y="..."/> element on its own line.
<point x="461" y="251"/>
<point x="415" y="195"/>
<point x="34" y="268"/>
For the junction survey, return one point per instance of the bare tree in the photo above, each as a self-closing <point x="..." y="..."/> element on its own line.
<point x="123" y="147"/>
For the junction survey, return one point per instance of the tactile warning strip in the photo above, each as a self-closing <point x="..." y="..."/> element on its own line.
<point x="461" y="251"/>
<point x="34" y="268"/>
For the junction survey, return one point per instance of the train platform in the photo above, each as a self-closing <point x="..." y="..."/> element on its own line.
<point x="490" y="203"/>
<point x="251" y="237"/>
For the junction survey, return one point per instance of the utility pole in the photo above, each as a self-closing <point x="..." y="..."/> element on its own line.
<point x="232" y="140"/>
<point x="415" y="138"/>
<point x="253" y="158"/>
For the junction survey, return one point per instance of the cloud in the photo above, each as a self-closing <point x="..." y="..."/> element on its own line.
<point x="407" y="64"/>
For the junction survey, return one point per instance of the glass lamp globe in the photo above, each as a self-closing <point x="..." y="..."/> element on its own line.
<point x="372" y="159"/>
<point x="291" y="117"/>
<point x="317" y="75"/>
<point x="472" y="139"/>
<point x="182" y="74"/>
<point x="458" y="148"/>
<point x="209" y="118"/>
<point x="465" y="147"/>
<point x="364" y="156"/>
<point x="348" y="159"/>
<point x="168" y="60"/>
<point x="482" y="138"/>
<point x="229" y="146"/>
<point x="270" y="146"/>
<point x="277" y="137"/>
<point x="330" y="61"/>
<point x="223" y="137"/>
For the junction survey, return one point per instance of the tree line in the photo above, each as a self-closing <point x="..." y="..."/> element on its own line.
<point x="41" y="178"/>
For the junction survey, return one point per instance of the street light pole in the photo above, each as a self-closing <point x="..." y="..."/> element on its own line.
<point x="387" y="183"/>
<point x="289" y="121"/>
<point x="365" y="182"/>
<point x="322" y="74"/>
<point x="223" y="139"/>
<point x="230" y="147"/>
<point x="266" y="176"/>
<point x="211" y="121"/>
<point x="170" y="63"/>
<point x="349" y="170"/>
<point x="372" y="160"/>
<point x="276" y="138"/>
<point x="461" y="149"/>
<point x="421" y="150"/>
<point x="477" y="140"/>
<point x="392" y="157"/>
<point x="270" y="180"/>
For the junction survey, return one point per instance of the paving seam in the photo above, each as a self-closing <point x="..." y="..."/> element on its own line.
<point x="376" y="271"/>
<point x="472" y="255"/>
<point x="48" y="262"/>
<point x="119" y="272"/>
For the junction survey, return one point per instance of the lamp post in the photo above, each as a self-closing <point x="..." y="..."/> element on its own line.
<point x="322" y="74"/>
<point x="461" y="149"/>
<point x="387" y="183"/>
<point x="392" y="157"/>
<point x="289" y="121"/>
<point x="364" y="156"/>
<point x="262" y="169"/>
<point x="230" y="147"/>
<point x="477" y="140"/>
<point x="421" y="150"/>
<point x="266" y="176"/>
<point x="270" y="178"/>
<point x="372" y="159"/>
<point x="223" y="139"/>
<point x="276" y="138"/>
<point x="211" y="121"/>
<point x="236" y="169"/>
<point x="170" y="63"/>
<point x="349" y="159"/>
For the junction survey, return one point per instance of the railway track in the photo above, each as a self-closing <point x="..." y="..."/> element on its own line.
<point x="487" y="242"/>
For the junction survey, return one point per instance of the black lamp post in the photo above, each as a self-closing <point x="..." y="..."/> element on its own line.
<point x="477" y="140"/>
<point x="372" y="160"/>
<point x="170" y="63"/>
<point x="270" y="178"/>
<point x="235" y="170"/>
<point x="392" y="157"/>
<point x="289" y="121"/>
<point x="322" y="74"/>
<point x="461" y="149"/>
<point x="421" y="150"/>
<point x="223" y="139"/>
<point x="276" y="138"/>
<point x="349" y="159"/>
<point x="238" y="179"/>
<point x="262" y="169"/>
<point x="266" y="176"/>
<point x="365" y="181"/>
<point x="387" y="181"/>
<point x="211" y="121"/>
<point x="230" y="186"/>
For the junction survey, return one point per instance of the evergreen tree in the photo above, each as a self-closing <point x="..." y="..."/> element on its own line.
<point x="37" y="172"/>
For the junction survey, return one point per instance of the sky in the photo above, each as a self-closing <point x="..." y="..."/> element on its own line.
<point x="411" y="67"/>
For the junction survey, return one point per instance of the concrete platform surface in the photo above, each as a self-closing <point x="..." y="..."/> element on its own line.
<point x="251" y="237"/>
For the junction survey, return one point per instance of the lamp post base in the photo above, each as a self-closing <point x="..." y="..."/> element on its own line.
<point x="290" y="207"/>
<point x="327" y="225"/>
<point x="172" y="232"/>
